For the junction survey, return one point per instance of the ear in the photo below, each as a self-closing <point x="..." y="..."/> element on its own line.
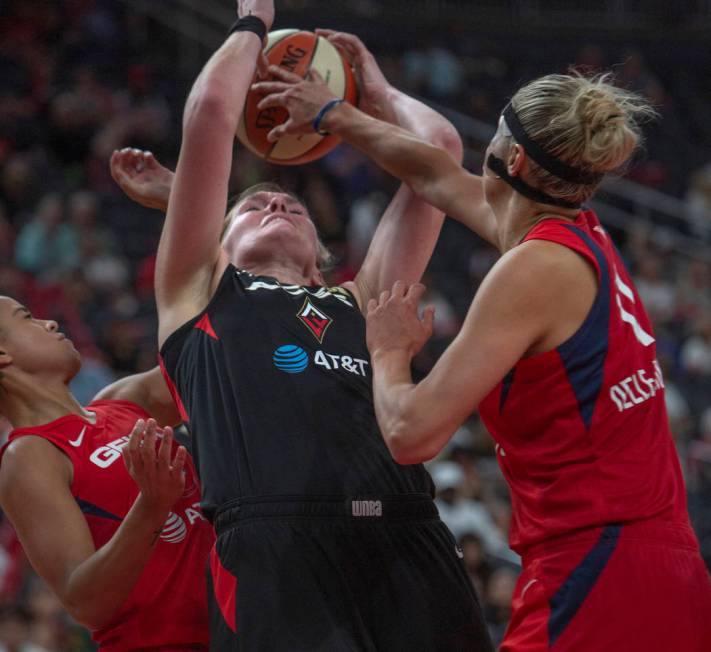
<point x="516" y="158"/>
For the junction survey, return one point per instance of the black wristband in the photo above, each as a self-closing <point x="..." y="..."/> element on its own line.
<point x="249" y="24"/>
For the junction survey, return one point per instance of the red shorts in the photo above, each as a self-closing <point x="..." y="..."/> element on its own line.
<point x="638" y="587"/>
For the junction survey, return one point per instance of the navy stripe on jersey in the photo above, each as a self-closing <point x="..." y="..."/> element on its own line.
<point x="570" y="596"/>
<point x="583" y="355"/>
<point x="94" y="510"/>
<point x="506" y="388"/>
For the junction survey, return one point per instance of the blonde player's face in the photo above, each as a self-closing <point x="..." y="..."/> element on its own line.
<point x="267" y="225"/>
<point x="34" y="346"/>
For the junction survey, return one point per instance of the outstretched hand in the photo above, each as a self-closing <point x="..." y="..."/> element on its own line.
<point x="158" y="473"/>
<point x="142" y="177"/>
<point x="373" y="87"/>
<point x="302" y="98"/>
<point x="393" y="323"/>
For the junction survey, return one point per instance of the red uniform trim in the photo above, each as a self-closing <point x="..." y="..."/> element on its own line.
<point x="205" y="325"/>
<point x="173" y="390"/>
<point x="225" y="588"/>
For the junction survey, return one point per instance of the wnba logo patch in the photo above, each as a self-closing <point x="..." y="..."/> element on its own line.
<point x="366" y="508"/>
<point x="174" y="530"/>
<point x="316" y="321"/>
<point x="291" y="359"/>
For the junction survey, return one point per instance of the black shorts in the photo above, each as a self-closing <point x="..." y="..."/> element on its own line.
<point x="291" y="574"/>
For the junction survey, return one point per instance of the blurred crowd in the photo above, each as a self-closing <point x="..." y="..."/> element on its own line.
<point x="80" y="78"/>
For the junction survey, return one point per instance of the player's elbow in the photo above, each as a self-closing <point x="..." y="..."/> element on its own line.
<point x="87" y="615"/>
<point x="208" y="106"/>
<point x="431" y="172"/>
<point x="447" y="138"/>
<point x="91" y="609"/>
<point x="408" y="446"/>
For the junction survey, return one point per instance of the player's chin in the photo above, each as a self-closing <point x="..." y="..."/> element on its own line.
<point x="73" y="363"/>
<point x="277" y="241"/>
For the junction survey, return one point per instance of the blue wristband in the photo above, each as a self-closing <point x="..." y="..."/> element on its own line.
<point x="326" y="108"/>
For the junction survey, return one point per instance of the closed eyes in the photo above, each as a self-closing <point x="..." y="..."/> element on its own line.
<point x="258" y="207"/>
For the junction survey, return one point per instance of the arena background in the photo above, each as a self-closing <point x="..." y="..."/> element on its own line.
<point x="79" y="78"/>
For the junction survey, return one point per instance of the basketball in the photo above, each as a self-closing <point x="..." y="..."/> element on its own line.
<point x="297" y="51"/>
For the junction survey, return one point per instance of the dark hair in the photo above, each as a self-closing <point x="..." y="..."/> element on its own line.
<point x="324" y="258"/>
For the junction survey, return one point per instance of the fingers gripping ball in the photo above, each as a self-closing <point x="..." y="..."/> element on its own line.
<point x="298" y="52"/>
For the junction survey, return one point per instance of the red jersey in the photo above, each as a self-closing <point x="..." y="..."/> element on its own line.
<point x="167" y="609"/>
<point x="582" y="431"/>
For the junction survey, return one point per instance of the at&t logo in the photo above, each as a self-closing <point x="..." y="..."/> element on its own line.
<point x="176" y="526"/>
<point x="174" y="530"/>
<point x="291" y="359"/>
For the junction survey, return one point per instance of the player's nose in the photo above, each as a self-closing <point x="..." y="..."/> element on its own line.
<point x="277" y="203"/>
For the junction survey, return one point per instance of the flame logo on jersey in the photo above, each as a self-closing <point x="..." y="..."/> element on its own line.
<point x="316" y="321"/>
<point x="174" y="530"/>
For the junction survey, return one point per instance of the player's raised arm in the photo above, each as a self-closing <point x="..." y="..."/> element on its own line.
<point x="189" y="251"/>
<point x="429" y="169"/>
<point x="35" y="479"/>
<point x="406" y="235"/>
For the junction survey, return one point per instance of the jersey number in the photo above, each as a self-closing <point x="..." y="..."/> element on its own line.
<point x="643" y="336"/>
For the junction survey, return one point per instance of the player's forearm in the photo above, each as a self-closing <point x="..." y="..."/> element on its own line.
<point x="399" y="152"/>
<point x="423" y="121"/>
<point x="220" y="89"/>
<point x="97" y="588"/>
<point x="401" y="415"/>
<point x="430" y="170"/>
<point x="406" y="236"/>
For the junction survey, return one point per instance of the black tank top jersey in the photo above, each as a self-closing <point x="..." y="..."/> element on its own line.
<point x="275" y="383"/>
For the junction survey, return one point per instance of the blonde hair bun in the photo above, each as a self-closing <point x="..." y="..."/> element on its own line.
<point x="586" y="122"/>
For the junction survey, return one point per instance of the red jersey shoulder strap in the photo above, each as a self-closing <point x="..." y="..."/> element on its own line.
<point x="560" y="231"/>
<point x="71" y="432"/>
<point x="66" y="433"/>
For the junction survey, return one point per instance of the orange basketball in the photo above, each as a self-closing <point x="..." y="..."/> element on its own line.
<point x="298" y="52"/>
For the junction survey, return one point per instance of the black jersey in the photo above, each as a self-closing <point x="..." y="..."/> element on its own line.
<point x="275" y="382"/>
